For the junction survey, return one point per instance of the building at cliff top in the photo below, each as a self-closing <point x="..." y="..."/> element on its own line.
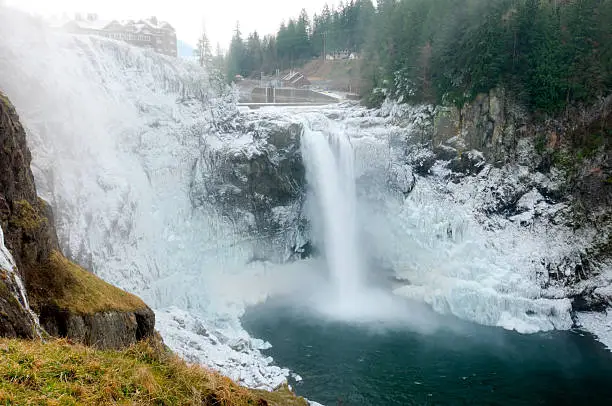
<point x="150" y="33"/>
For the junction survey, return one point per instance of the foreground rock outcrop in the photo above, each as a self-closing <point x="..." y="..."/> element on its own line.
<point x="69" y="301"/>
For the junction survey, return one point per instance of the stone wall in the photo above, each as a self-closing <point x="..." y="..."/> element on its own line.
<point x="289" y="95"/>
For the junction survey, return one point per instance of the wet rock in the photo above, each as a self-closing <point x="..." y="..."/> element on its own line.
<point x="592" y="299"/>
<point x="468" y="163"/>
<point x="255" y="174"/>
<point x="28" y="234"/>
<point x="14" y="320"/>
<point x="421" y="159"/>
<point x="401" y="178"/>
<point x="108" y="330"/>
<point x="445" y="152"/>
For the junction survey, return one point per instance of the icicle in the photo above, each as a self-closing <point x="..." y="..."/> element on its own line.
<point x="15" y="284"/>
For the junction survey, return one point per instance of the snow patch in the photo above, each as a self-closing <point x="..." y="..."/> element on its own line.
<point x="232" y="353"/>
<point x="599" y="324"/>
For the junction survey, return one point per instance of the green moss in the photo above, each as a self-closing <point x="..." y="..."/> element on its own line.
<point x="589" y="146"/>
<point x="540" y="143"/>
<point x="565" y="161"/>
<point x="281" y="396"/>
<point x="4" y="100"/>
<point x="72" y="288"/>
<point x="4" y="291"/>
<point x="27" y="217"/>
<point x="57" y="372"/>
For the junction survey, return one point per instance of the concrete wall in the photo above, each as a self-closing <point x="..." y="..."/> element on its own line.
<point x="289" y="95"/>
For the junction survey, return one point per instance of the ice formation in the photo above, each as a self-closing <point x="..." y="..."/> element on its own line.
<point x="7" y="264"/>
<point x="600" y="324"/>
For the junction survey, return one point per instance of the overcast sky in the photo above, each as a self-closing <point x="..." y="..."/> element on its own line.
<point x="187" y="16"/>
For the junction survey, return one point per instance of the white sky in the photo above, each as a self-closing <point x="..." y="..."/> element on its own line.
<point x="187" y="16"/>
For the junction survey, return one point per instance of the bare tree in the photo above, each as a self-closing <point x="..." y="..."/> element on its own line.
<point x="203" y="51"/>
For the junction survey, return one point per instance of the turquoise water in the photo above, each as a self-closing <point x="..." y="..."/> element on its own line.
<point x="459" y="364"/>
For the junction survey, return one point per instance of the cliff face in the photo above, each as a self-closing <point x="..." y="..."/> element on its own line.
<point x="69" y="301"/>
<point x="262" y="186"/>
<point x="556" y="171"/>
<point x="577" y="145"/>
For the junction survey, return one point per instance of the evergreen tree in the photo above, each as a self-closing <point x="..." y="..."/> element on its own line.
<point x="254" y="54"/>
<point x="236" y="55"/>
<point x="302" y="39"/>
<point x="203" y="51"/>
<point x="547" y="54"/>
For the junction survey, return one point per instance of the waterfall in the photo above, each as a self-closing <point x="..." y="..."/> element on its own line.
<point x="329" y="159"/>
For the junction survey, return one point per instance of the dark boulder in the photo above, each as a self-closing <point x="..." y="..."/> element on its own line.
<point x="468" y="163"/>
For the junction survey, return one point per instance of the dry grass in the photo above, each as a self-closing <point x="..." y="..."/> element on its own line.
<point x="61" y="373"/>
<point x="73" y="288"/>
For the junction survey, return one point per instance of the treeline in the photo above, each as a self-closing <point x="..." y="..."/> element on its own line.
<point x="333" y="30"/>
<point x="548" y="53"/>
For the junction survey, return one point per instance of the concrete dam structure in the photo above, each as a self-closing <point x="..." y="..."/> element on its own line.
<point x="289" y="95"/>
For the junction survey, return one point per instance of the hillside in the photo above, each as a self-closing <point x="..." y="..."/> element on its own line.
<point x="339" y="75"/>
<point x="61" y="372"/>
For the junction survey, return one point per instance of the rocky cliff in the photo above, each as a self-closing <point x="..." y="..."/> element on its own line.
<point x="254" y="175"/>
<point x="68" y="300"/>
<point x="553" y="172"/>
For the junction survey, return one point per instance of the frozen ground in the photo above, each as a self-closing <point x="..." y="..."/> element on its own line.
<point x="600" y="324"/>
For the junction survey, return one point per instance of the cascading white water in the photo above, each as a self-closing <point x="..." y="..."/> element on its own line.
<point x="329" y="160"/>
